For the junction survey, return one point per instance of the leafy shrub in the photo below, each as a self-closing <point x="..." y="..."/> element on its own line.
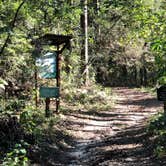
<point x="2" y="83"/>
<point x="157" y="124"/>
<point x="27" y="122"/>
<point x="13" y="142"/>
<point x="92" y="98"/>
<point x="17" y="156"/>
<point x="31" y="121"/>
<point x="91" y="94"/>
<point x="11" y="106"/>
<point x="14" y="105"/>
<point x="157" y="128"/>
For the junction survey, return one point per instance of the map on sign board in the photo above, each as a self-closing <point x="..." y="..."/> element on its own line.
<point x="47" y="65"/>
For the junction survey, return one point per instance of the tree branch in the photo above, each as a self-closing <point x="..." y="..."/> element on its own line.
<point x="11" y="27"/>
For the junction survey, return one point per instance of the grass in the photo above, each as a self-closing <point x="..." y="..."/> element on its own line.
<point x="95" y="97"/>
<point x="151" y="90"/>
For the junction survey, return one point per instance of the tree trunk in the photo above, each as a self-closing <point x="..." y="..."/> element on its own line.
<point x="97" y="27"/>
<point x="145" y="76"/>
<point x="84" y="50"/>
<point x="141" y="77"/>
<point x="86" y="44"/>
<point x="135" y="75"/>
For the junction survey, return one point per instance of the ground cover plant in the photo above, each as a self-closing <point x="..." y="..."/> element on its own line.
<point x="157" y="128"/>
<point x="28" y="136"/>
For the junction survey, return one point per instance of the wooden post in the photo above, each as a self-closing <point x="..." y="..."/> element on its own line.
<point x="58" y="78"/>
<point x="47" y="110"/>
<point x="36" y="97"/>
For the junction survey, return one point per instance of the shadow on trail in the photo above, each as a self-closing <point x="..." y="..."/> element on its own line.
<point x="123" y="140"/>
<point x="51" y="149"/>
<point x="116" y="137"/>
<point x="128" y="148"/>
<point x="104" y="116"/>
<point x="148" y="102"/>
<point x="96" y="116"/>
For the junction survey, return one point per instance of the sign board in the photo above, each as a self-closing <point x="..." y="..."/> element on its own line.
<point x="49" y="92"/>
<point x="161" y="93"/>
<point x="47" y="65"/>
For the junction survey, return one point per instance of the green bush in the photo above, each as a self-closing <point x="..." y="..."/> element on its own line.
<point x="17" y="156"/>
<point x="157" y="123"/>
<point x="157" y="128"/>
<point x="31" y="121"/>
<point x="11" y="106"/>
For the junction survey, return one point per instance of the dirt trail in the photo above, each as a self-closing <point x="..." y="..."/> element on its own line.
<point x="116" y="137"/>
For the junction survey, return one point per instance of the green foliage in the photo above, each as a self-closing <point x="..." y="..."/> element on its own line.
<point x="18" y="155"/>
<point x="31" y="119"/>
<point x="162" y="80"/>
<point x="157" y="128"/>
<point x="2" y="83"/>
<point x="35" y="123"/>
<point x="27" y="122"/>
<point x="111" y="24"/>
<point x="14" y="105"/>
<point x="158" y="123"/>
<point x="11" y="107"/>
<point x="95" y="98"/>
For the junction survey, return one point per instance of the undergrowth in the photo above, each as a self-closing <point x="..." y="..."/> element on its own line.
<point x="92" y="98"/>
<point x="19" y="134"/>
<point x="30" y="133"/>
<point x="157" y="129"/>
<point x="151" y="90"/>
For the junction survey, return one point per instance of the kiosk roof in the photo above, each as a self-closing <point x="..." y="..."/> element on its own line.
<point x="53" y="39"/>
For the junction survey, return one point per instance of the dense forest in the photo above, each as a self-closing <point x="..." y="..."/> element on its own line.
<point x="114" y="43"/>
<point x="126" y="39"/>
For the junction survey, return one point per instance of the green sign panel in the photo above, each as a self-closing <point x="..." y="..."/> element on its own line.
<point x="50" y="92"/>
<point x="47" y="65"/>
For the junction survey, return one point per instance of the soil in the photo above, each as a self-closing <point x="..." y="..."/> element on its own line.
<point x="116" y="137"/>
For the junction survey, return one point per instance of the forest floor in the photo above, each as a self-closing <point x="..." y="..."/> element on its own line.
<point x="116" y="137"/>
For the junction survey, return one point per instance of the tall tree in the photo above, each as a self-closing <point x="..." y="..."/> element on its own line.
<point x="84" y="41"/>
<point x="86" y="44"/>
